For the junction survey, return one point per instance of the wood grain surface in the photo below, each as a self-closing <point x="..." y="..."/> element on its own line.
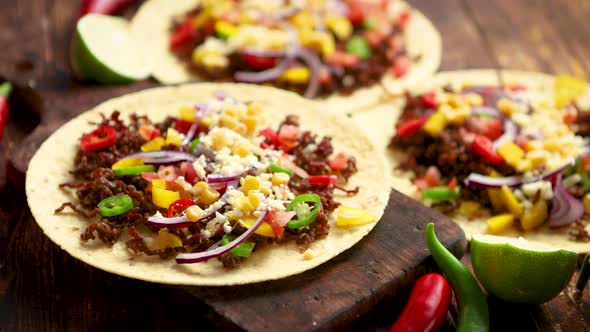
<point x="41" y="288"/>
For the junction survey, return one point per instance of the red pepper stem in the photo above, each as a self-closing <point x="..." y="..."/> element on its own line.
<point x="5" y="89"/>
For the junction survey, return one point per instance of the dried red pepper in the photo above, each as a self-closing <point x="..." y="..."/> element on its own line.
<point x="5" y="90"/>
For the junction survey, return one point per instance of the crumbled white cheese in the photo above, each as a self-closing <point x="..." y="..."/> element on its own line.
<point x="227" y="227"/>
<point x="531" y="189"/>
<point x="216" y="223"/>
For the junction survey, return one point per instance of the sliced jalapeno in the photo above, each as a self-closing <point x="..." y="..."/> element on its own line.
<point x="305" y="214"/>
<point x="441" y="193"/>
<point x="115" y="205"/>
<point x="278" y="169"/>
<point x="135" y="170"/>
<point x="194" y="145"/>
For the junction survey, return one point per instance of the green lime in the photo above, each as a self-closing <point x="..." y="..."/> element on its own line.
<point x="517" y="270"/>
<point x="105" y="51"/>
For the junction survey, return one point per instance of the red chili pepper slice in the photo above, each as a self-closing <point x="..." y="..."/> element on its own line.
<point x="259" y="62"/>
<point x="102" y="137"/>
<point x="271" y="136"/>
<point x="427" y="306"/>
<point x="453" y="183"/>
<point x="5" y="90"/>
<point x="483" y="146"/>
<point x="182" y="126"/>
<point x="400" y="67"/>
<point x="322" y="179"/>
<point x="429" y="99"/>
<point x="411" y="126"/>
<point x="183" y="33"/>
<point x="179" y="206"/>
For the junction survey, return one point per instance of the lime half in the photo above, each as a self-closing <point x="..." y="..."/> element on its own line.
<point x="517" y="270"/>
<point x="105" y="51"/>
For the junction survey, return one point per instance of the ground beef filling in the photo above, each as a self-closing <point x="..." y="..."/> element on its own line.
<point x="95" y="181"/>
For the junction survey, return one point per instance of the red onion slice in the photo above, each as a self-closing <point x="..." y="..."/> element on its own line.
<point x="315" y="66"/>
<point x="162" y="157"/>
<point x="190" y="134"/>
<point x="567" y="209"/>
<point x="479" y="181"/>
<point x="212" y="178"/>
<point x="265" y="75"/>
<point x="510" y="132"/>
<point x="182" y="221"/>
<point x="207" y="255"/>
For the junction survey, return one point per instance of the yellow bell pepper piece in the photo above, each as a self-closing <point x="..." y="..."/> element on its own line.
<point x="567" y="88"/>
<point x="296" y="75"/>
<point x="163" y="198"/>
<point x="303" y="20"/>
<point x="168" y="240"/>
<point x="347" y="217"/>
<point x="534" y="216"/>
<point x="339" y="25"/>
<point x="512" y="153"/>
<point x="500" y="223"/>
<point x="124" y="163"/>
<point x="159" y="183"/>
<point x="154" y="145"/>
<point x="173" y="137"/>
<point x="435" y="124"/>
<point x="469" y="208"/>
<point x="510" y="201"/>
<point x="264" y="229"/>
<point x="586" y="201"/>
<point x="225" y="29"/>
<point x="187" y="114"/>
<point x="496" y="195"/>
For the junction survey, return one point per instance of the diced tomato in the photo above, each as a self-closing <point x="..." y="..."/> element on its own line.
<point x="421" y="183"/>
<point x="453" y="183"/>
<point x="288" y="136"/>
<point x="182" y="126"/>
<point x="339" y="162"/>
<point x="167" y="173"/>
<point x="149" y="176"/>
<point x="570" y="117"/>
<point x="400" y="67"/>
<point x="259" y="62"/>
<point x="149" y="132"/>
<point x="483" y="146"/>
<point x="179" y="206"/>
<point x="429" y="99"/>
<point x="356" y="12"/>
<point x="490" y="128"/>
<point x="404" y="19"/>
<point x="278" y="219"/>
<point x="183" y="33"/>
<point x="270" y="135"/>
<point x="432" y="176"/>
<point x="324" y="180"/>
<point x="394" y="44"/>
<point x="188" y="172"/>
<point x="342" y="59"/>
<point x="100" y="138"/>
<point x="411" y="126"/>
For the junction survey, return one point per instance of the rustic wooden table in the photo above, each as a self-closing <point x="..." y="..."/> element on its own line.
<point x="37" y="279"/>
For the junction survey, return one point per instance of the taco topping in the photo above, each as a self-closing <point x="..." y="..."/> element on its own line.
<point x="217" y="186"/>
<point x="311" y="47"/>
<point x="500" y="149"/>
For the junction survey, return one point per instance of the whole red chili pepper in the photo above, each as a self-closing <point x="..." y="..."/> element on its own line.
<point x="5" y="90"/>
<point x="411" y="126"/>
<point x="106" y="7"/>
<point x="427" y="306"/>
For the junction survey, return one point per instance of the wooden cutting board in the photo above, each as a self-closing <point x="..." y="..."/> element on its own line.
<point x="368" y="282"/>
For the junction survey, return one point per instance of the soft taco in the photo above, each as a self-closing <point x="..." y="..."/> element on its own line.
<point x="504" y="152"/>
<point x="340" y="51"/>
<point x="206" y="184"/>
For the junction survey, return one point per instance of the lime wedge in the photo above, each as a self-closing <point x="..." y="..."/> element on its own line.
<point x="105" y="51"/>
<point x="517" y="270"/>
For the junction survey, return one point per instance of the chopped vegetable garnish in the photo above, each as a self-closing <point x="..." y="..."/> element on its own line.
<point x="134" y="170"/>
<point x="358" y="46"/>
<point x="244" y="249"/>
<point x="115" y="205"/>
<point x="441" y="193"/>
<point x="305" y="214"/>
<point x="102" y="137"/>
<point x="277" y="169"/>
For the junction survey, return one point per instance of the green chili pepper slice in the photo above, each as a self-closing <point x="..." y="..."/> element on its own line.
<point x="194" y="145"/>
<point x="278" y="169"/>
<point x="358" y="46"/>
<point x="441" y="193"/>
<point x="115" y="205"/>
<point x="473" y="308"/>
<point x="135" y="170"/>
<point x="244" y="249"/>
<point x="305" y="214"/>
<point x="370" y="24"/>
<point x="585" y="183"/>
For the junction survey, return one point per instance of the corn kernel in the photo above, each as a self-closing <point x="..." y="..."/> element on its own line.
<point x="500" y="223"/>
<point x="254" y="197"/>
<point x="250" y="122"/>
<point x="523" y="165"/>
<point x="536" y="158"/>
<point x="254" y="109"/>
<point x="552" y="145"/>
<point x="218" y="140"/>
<point x="209" y="196"/>
<point x="168" y="240"/>
<point x="231" y="112"/>
<point x="241" y="150"/>
<point x="506" y="106"/>
<point x="241" y="129"/>
<point x="308" y="254"/>
<point x="474" y="99"/>
<point x="245" y="205"/>
<point x="510" y="201"/>
<point x="249" y="183"/>
<point x="124" y="163"/>
<point x="173" y="137"/>
<point x="296" y="75"/>
<point x="207" y="121"/>
<point x="279" y="179"/>
<point x="469" y="209"/>
<point x="187" y="114"/>
<point x="200" y="187"/>
<point x="455" y="116"/>
<point x="227" y="121"/>
<point x="511" y="152"/>
<point x="225" y="29"/>
<point x="339" y="25"/>
<point x="154" y="145"/>
<point x="194" y="213"/>
<point x="303" y="20"/>
<point x="435" y="124"/>
<point x="454" y="101"/>
<point x="534" y="216"/>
